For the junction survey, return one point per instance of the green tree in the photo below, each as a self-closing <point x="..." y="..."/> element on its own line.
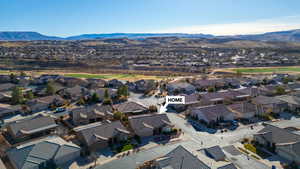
<point x="123" y="91"/>
<point x="17" y="95"/>
<point x="13" y="78"/>
<point x="95" y="98"/>
<point x="22" y="73"/>
<point x="30" y="95"/>
<point x="107" y="99"/>
<point x="280" y="90"/>
<point x="118" y="115"/>
<point x="211" y="89"/>
<point x="50" y="89"/>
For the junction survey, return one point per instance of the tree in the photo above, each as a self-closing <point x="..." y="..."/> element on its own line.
<point x="118" y="115"/>
<point x="211" y="89"/>
<point x="22" y="73"/>
<point x="152" y="108"/>
<point x="107" y="99"/>
<point x="30" y="95"/>
<point x="13" y="78"/>
<point x="95" y="98"/>
<point x="17" y="95"/>
<point x="50" y="89"/>
<point x="280" y="90"/>
<point x="123" y="91"/>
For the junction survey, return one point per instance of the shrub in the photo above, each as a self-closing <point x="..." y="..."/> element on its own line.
<point x="127" y="147"/>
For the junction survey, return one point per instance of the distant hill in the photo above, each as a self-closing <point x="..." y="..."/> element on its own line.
<point x="24" y="36"/>
<point x="283" y="36"/>
<point x="137" y="36"/>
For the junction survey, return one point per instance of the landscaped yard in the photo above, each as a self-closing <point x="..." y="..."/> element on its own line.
<point x="267" y="70"/>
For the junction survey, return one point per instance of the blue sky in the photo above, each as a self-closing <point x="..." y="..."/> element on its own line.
<point x="220" y="17"/>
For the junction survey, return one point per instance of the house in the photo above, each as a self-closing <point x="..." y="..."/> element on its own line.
<point x="150" y="124"/>
<point x="215" y="153"/>
<point x="10" y="110"/>
<point x="45" y="78"/>
<point x="42" y="90"/>
<point x="6" y="87"/>
<point x="251" y="91"/>
<point x="29" y="128"/>
<point x="114" y="83"/>
<point x="223" y="97"/>
<point x="5" y="78"/>
<point x="269" y="90"/>
<point x="99" y="135"/>
<point x="203" y="84"/>
<point x="101" y="92"/>
<point x="131" y="108"/>
<point x="294" y="87"/>
<point x="74" y="93"/>
<point x="43" y="153"/>
<point x="212" y="113"/>
<point x="266" y="104"/>
<point x="142" y="86"/>
<point x="292" y="101"/>
<point x="243" y="110"/>
<point x="72" y="81"/>
<point x="180" y="88"/>
<point x="96" y="83"/>
<point x="191" y="100"/>
<point x="284" y="142"/>
<point x="5" y="97"/>
<point x="90" y="114"/>
<point x="43" y="103"/>
<point x="180" y="158"/>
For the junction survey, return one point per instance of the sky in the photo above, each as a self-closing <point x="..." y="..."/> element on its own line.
<point x="218" y="17"/>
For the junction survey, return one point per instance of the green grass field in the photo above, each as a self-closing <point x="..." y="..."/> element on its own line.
<point x="99" y="76"/>
<point x="113" y="76"/>
<point x="267" y="70"/>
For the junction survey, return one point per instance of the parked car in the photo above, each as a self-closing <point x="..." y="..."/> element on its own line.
<point x="59" y="110"/>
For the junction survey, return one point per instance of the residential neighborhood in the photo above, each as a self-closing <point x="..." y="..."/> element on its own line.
<point x="54" y="121"/>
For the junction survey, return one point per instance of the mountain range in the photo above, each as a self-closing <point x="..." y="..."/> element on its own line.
<point x="285" y="36"/>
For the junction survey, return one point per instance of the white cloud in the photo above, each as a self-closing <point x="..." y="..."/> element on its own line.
<point x="252" y="27"/>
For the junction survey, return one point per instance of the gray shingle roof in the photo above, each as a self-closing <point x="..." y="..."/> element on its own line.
<point x="278" y="135"/>
<point x="142" y="122"/>
<point x="32" y="125"/>
<point x="215" y="152"/>
<point x="91" y="112"/>
<point x="212" y="112"/>
<point x="289" y="99"/>
<point x="30" y="155"/>
<point x="93" y="132"/>
<point x="130" y="107"/>
<point x="264" y="100"/>
<point x="180" y="158"/>
<point x="228" y="166"/>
